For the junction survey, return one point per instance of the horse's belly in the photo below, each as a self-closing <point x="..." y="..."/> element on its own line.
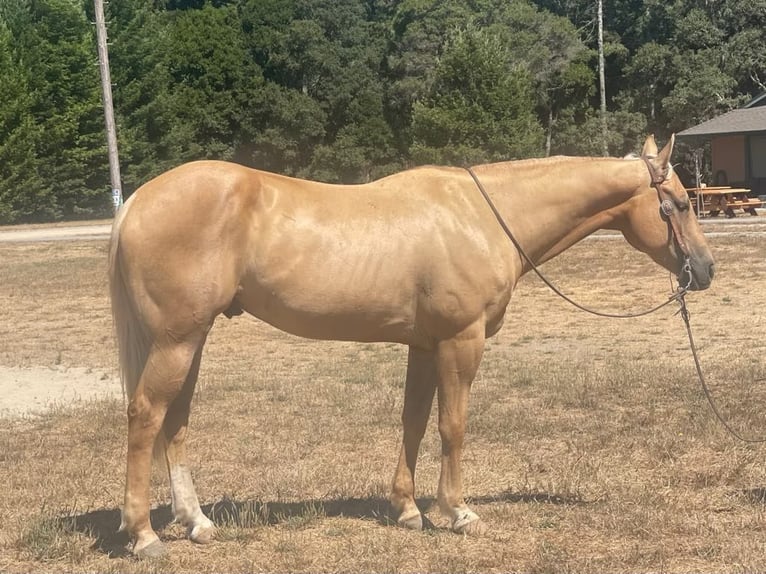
<point x="397" y="287"/>
<point x="330" y="311"/>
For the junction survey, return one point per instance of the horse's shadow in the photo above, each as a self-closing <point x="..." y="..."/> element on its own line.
<point x="103" y="525"/>
<point x="755" y="495"/>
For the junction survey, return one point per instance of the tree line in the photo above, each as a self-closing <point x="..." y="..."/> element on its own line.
<point x="350" y="90"/>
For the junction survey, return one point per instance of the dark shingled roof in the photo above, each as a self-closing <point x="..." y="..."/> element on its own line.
<point x="751" y="118"/>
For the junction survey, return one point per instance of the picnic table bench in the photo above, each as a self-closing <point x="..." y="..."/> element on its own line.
<point x="711" y="201"/>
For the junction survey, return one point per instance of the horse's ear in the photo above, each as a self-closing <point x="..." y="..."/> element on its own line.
<point x="667" y="151"/>
<point x="659" y="166"/>
<point x="650" y="147"/>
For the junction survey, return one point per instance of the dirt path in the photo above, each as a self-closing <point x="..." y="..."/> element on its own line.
<point x="100" y="230"/>
<point x="46" y="233"/>
<point x="26" y="391"/>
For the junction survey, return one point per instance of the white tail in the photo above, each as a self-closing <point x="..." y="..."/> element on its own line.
<point x="133" y="339"/>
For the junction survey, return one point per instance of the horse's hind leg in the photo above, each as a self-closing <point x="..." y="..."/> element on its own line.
<point x="418" y="398"/>
<point x="186" y="507"/>
<point x="161" y="381"/>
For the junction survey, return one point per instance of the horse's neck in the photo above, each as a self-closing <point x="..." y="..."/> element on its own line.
<point x="551" y="204"/>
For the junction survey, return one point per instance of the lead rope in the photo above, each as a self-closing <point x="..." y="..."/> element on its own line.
<point x="677" y="296"/>
<point x="685" y="315"/>
<point x="674" y="297"/>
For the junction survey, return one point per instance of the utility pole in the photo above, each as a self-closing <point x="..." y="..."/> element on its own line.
<point x="602" y="83"/>
<point x="106" y="90"/>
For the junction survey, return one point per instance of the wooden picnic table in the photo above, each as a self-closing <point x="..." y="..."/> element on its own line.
<point x="711" y="201"/>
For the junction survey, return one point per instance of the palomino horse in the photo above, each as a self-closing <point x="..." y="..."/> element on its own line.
<point x="417" y="258"/>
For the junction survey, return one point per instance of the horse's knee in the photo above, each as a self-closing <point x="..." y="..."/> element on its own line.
<point x="452" y="432"/>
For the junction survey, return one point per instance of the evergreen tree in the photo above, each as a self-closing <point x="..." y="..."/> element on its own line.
<point x="53" y="136"/>
<point x="478" y="108"/>
<point x="349" y="90"/>
<point x="23" y="194"/>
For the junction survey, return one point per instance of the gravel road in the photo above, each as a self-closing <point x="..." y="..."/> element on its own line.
<point x="67" y="233"/>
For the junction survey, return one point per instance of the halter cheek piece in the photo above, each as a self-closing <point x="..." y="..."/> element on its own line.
<point x="668" y="210"/>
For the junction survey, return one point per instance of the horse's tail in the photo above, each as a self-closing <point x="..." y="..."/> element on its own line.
<point x="132" y="338"/>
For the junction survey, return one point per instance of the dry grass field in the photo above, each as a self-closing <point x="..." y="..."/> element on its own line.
<point x="590" y="445"/>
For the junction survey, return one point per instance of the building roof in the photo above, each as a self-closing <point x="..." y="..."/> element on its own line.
<point x="758" y="100"/>
<point x="748" y="119"/>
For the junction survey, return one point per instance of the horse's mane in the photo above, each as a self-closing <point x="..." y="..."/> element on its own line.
<point x="556" y="159"/>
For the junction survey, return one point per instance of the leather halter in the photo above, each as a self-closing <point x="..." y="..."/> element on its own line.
<point x="667" y="206"/>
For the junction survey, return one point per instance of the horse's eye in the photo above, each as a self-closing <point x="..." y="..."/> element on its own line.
<point x="682" y="205"/>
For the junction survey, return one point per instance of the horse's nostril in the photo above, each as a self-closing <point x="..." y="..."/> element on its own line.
<point x="711" y="270"/>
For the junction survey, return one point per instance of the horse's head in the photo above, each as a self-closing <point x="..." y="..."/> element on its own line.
<point x="660" y="221"/>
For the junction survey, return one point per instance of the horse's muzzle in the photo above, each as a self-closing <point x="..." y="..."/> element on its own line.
<point x="696" y="274"/>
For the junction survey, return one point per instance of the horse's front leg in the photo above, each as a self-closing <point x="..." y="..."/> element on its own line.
<point x="418" y="398"/>
<point x="458" y="361"/>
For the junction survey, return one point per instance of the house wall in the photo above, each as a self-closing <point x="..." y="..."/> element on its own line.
<point x="758" y="156"/>
<point x="757" y="164"/>
<point x="728" y="156"/>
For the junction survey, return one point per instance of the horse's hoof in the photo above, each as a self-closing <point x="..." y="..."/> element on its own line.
<point x="202" y="533"/>
<point x="412" y="521"/>
<point x="475" y="528"/>
<point x="152" y="551"/>
<point x="470" y="524"/>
